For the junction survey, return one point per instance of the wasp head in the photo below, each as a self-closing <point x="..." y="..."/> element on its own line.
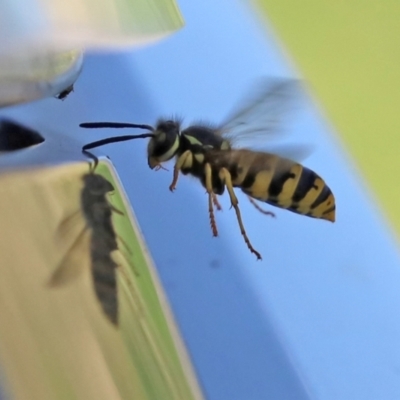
<point x="165" y="142"/>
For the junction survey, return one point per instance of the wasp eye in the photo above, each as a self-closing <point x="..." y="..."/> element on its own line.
<point x="162" y="147"/>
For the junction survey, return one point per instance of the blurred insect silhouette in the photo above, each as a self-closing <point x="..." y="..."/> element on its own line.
<point x="222" y="157"/>
<point x="63" y="95"/>
<point x="98" y="235"/>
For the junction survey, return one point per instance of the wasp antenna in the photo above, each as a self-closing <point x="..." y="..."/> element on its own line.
<point x="93" y="157"/>
<point x="93" y="125"/>
<point x="115" y="139"/>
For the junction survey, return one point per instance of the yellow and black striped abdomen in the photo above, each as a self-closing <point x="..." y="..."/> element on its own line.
<point x="281" y="183"/>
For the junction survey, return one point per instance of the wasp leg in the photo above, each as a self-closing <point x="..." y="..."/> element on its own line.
<point x="226" y="176"/>
<point x="252" y="201"/>
<point x="134" y="302"/>
<point x="216" y="202"/>
<point x="115" y="209"/>
<point x="186" y="156"/>
<point x="134" y="299"/>
<point x="208" y="174"/>
<point x="129" y="256"/>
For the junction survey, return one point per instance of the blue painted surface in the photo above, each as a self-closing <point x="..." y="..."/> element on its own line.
<point x="318" y="318"/>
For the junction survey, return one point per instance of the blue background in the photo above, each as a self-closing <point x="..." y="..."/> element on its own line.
<point x="319" y="316"/>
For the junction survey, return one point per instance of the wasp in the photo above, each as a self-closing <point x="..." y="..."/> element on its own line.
<point x="213" y="155"/>
<point x="100" y="237"/>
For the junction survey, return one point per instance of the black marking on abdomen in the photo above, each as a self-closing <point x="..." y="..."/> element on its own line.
<point x="249" y="180"/>
<point x="292" y="207"/>
<point x="305" y="183"/>
<point x="325" y="193"/>
<point x="329" y="210"/>
<point x="276" y="185"/>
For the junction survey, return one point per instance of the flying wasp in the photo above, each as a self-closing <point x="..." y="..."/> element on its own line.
<point x="100" y="237"/>
<point x="214" y="155"/>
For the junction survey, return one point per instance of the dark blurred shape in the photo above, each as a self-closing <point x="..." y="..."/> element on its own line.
<point x="96" y="237"/>
<point x="63" y="95"/>
<point x="98" y="214"/>
<point x="14" y="136"/>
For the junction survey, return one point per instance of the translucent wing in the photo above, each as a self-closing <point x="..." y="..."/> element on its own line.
<point x="73" y="233"/>
<point x="73" y="262"/>
<point x="263" y="114"/>
<point x="295" y="152"/>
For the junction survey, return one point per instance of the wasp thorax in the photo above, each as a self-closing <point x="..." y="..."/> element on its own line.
<point x="164" y="144"/>
<point x="97" y="185"/>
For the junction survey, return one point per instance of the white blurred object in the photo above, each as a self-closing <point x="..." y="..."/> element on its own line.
<point x="36" y="38"/>
<point x="31" y="25"/>
<point x="27" y="77"/>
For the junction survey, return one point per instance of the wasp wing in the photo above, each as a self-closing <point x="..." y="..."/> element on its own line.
<point x="294" y="152"/>
<point x="73" y="234"/>
<point x="263" y="114"/>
